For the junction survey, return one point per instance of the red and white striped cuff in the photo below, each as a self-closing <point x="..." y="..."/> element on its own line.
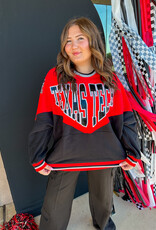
<point x="131" y="160"/>
<point x="40" y="165"/>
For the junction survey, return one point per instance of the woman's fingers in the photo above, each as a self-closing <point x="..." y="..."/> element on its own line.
<point x="125" y="166"/>
<point x="46" y="171"/>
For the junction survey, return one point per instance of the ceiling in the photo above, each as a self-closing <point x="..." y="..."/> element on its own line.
<point x="102" y="2"/>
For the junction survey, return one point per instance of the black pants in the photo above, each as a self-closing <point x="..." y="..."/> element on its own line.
<point x="57" y="204"/>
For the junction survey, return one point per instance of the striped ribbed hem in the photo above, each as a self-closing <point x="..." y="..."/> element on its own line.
<point x="131" y="160"/>
<point x="40" y="165"/>
<point x="85" y="166"/>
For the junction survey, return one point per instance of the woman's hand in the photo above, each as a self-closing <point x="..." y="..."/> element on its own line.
<point x="125" y="166"/>
<point x="46" y="171"/>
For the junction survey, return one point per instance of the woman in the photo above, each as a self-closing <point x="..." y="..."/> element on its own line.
<point x="84" y="109"/>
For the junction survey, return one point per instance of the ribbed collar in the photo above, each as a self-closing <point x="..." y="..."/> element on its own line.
<point x="85" y="74"/>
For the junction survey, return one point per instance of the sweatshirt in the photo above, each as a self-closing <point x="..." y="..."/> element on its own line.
<point x="92" y="128"/>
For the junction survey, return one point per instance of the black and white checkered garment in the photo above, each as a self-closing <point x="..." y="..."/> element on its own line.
<point x="154" y="189"/>
<point x="141" y="71"/>
<point x="138" y="125"/>
<point x="139" y="64"/>
<point x="135" y="41"/>
<point x="152" y="15"/>
<point x="139" y="46"/>
<point x="147" y="168"/>
<point x="139" y="134"/>
<point x="139" y="205"/>
<point x="147" y="133"/>
<point x="153" y="25"/>
<point x="115" y="41"/>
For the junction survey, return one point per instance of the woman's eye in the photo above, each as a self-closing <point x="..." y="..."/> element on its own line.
<point x="80" y="38"/>
<point x="68" y="41"/>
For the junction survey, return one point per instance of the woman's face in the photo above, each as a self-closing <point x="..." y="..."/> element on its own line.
<point x="77" y="47"/>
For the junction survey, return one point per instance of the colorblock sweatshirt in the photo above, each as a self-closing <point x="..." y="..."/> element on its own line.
<point x="92" y="128"/>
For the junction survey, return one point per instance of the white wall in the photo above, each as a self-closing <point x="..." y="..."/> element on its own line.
<point x="5" y="194"/>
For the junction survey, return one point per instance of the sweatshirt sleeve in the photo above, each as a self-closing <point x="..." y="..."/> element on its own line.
<point x="125" y="127"/>
<point x="42" y="130"/>
<point x="129" y="138"/>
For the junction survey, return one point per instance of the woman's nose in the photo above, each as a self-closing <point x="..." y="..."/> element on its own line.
<point x="74" y="44"/>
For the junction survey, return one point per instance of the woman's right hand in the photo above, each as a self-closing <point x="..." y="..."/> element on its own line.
<point x="46" y="171"/>
<point x="125" y="166"/>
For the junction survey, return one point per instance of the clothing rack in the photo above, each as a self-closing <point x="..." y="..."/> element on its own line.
<point x="133" y="45"/>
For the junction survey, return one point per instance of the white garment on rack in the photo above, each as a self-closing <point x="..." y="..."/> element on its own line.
<point x="144" y="159"/>
<point x="130" y="15"/>
<point x="116" y="11"/>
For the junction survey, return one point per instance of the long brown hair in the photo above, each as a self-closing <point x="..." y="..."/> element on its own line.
<point x="65" y="68"/>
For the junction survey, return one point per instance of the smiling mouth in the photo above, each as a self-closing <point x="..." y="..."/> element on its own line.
<point x="76" y="53"/>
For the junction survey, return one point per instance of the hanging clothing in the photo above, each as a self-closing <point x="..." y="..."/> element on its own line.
<point x="132" y="43"/>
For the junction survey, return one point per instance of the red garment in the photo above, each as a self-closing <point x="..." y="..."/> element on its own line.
<point x="146" y="22"/>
